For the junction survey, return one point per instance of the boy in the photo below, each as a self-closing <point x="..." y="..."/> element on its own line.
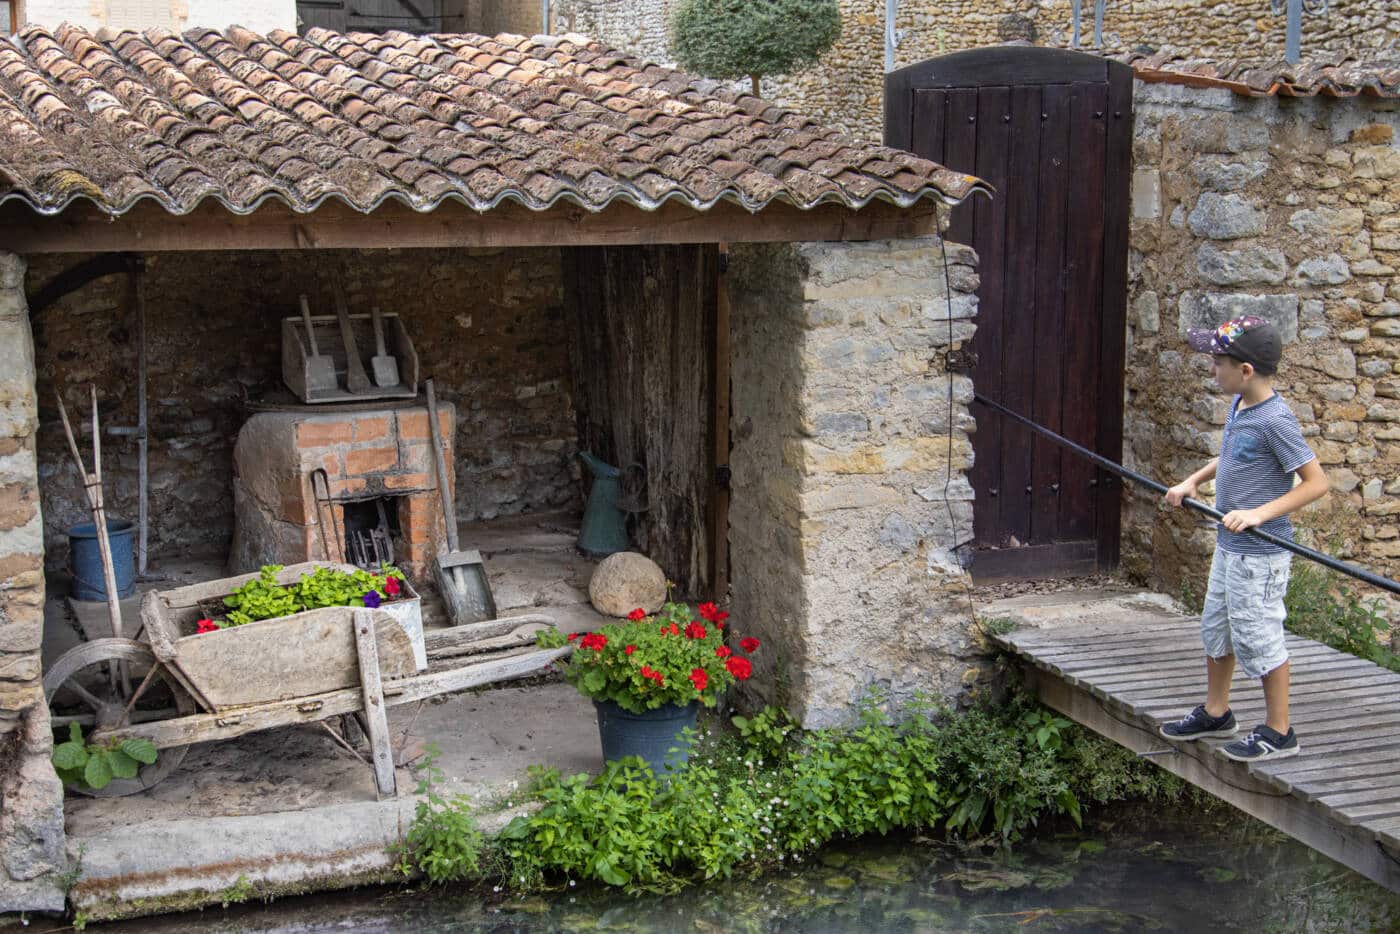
<point x="1243" y="616"/>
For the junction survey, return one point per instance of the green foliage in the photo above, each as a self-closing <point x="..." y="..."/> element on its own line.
<point x="92" y="767"/>
<point x="997" y="626"/>
<point x="264" y="598"/>
<point x="769" y="792"/>
<point x="1324" y="606"/>
<point x="752" y="38"/>
<point x="646" y="662"/>
<point x="239" y="892"/>
<point x="443" y="841"/>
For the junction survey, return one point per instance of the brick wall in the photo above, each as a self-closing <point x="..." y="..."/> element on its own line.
<point x="31" y="797"/>
<point x="484" y="322"/>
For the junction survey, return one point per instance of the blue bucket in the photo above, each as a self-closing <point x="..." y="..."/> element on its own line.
<point x="654" y="735"/>
<point x="85" y="560"/>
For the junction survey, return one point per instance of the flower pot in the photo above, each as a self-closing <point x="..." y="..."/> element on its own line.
<point x="654" y="735"/>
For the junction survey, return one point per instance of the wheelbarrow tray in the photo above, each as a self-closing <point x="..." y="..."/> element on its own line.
<point x="270" y="660"/>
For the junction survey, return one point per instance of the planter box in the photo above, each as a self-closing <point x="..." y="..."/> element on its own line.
<point x="276" y="659"/>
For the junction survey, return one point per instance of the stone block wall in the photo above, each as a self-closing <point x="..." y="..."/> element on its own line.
<point x="31" y="796"/>
<point x="846" y="88"/>
<point x="1289" y="209"/>
<point x="849" y="467"/>
<point x="484" y="322"/>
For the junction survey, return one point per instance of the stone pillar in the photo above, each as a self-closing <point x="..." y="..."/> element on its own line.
<point x="846" y="511"/>
<point x="31" y="796"/>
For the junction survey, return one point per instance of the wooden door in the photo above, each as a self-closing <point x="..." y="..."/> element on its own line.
<point x="1051" y="131"/>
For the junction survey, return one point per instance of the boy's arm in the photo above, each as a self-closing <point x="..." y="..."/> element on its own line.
<point x="1314" y="485"/>
<point x="1187" y="488"/>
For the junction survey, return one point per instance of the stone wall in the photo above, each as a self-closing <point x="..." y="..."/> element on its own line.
<point x="842" y="539"/>
<point x="31" y="797"/>
<point x="484" y="322"/>
<point x="846" y="88"/>
<point x="1286" y="209"/>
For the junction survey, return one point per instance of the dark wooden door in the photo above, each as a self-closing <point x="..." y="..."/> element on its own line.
<point x="1051" y="131"/>
<point x="415" y="16"/>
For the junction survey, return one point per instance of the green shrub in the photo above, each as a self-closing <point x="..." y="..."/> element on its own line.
<point x="1324" y="606"/>
<point x="443" y="841"/>
<point x="752" y="38"/>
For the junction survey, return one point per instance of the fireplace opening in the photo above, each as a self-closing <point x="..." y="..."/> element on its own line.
<point x="371" y="529"/>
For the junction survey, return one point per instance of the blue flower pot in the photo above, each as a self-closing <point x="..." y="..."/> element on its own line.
<point x="654" y="735"/>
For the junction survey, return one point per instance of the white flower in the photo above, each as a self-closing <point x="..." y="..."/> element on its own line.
<point x="495" y="888"/>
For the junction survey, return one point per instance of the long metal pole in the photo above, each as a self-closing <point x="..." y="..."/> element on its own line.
<point x="1361" y="574"/>
<point x="1098" y="24"/>
<point x="1293" y="39"/>
<point x="143" y="513"/>
<point x="544" y="17"/>
<point x="891" y="11"/>
<point x="1074" y="14"/>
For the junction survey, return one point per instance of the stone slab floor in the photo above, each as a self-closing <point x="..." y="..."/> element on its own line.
<point x="289" y="809"/>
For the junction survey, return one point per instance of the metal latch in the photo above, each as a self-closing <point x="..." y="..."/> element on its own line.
<point x="960" y="360"/>
<point x="722" y="476"/>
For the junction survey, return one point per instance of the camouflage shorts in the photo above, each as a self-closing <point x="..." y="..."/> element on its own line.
<point x="1244" y="613"/>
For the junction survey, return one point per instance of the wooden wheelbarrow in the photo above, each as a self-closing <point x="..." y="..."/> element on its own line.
<point x="306" y="668"/>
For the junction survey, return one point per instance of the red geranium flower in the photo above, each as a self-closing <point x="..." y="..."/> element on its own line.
<point x="748" y="644"/>
<point x="696" y="630"/>
<point x="630" y="649"/>
<point x="573" y="636"/>
<point x="699" y="678"/>
<point x="653" y="674"/>
<point x="708" y="611"/>
<point x="595" y="641"/>
<point x="740" y="668"/>
<point x="674" y="629"/>
<point x="724" y="651"/>
<point x="391" y="586"/>
<point x="637" y="614"/>
<point x="207" y="625"/>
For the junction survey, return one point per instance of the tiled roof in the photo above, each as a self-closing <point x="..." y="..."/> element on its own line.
<point x="1344" y="78"/>
<point x="243" y="118"/>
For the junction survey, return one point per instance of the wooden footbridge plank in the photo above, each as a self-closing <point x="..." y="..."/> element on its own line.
<point x="1340" y="794"/>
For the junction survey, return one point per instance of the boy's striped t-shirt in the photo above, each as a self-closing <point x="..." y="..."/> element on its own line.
<point x="1261" y="450"/>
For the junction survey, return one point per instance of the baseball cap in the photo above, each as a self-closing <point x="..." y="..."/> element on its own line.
<point x="1249" y="339"/>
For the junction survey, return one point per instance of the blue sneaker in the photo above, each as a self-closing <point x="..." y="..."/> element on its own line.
<point x="1263" y="743"/>
<point x="1199" y="725"/>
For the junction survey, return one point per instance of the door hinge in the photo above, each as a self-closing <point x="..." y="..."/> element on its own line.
<point x="723" y="261"/>
<point x="722" y="476"/>
<point x="960" y="360"/>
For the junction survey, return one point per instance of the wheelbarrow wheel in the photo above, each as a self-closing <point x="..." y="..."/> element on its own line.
<point x="93" y="685"/>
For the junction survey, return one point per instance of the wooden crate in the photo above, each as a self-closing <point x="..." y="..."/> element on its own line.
<point x="296" y="348"/>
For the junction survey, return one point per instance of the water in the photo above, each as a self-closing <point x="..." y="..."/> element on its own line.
<point x="1131" y="868"/>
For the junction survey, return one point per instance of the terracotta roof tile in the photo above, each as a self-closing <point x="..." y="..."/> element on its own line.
<point x="114" y="117"/>
<point x="1345" y="77"/>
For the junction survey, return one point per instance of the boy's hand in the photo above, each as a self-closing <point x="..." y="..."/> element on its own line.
<point x="1242" y="519"/>
<point x="1181" y="491"/>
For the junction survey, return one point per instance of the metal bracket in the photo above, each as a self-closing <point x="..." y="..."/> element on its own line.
<point x="722" y="476"/>
<point x="960" y="360"/>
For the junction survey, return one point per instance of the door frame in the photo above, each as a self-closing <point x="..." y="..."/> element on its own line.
<point x="1021" y="66"/>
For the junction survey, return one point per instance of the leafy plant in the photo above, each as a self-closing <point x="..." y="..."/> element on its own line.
<point x="645" y="662"/>
<point x="752" y="38"/>
<point x="92" y="767"/>
<point x="443" y="840"/>
<point x="264" y="598"/>
<point x="767" y="730"/>
<point x="1324" y="606"/>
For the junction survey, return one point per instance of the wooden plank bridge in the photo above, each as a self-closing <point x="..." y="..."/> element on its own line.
<point x="1340" y="795"/>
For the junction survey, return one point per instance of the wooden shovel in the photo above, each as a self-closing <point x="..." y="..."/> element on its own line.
<point x="385" y="367"/>
<point x="355" y="378"/>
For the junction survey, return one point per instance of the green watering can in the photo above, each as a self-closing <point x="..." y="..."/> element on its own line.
<point x="604" y="529"/>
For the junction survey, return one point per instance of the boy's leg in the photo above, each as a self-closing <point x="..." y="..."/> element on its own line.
<point x="1219" y="672"/>
<point x="1257" y="631"/>
<point x="1276" y="699"/>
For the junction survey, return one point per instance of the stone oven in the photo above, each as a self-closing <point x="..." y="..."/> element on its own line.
<point x="378" y="478"/>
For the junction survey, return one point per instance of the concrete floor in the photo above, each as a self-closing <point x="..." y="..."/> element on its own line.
<point x="289" y="809"/>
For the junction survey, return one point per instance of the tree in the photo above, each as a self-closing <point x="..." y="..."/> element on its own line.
<point x="737" y="38"/>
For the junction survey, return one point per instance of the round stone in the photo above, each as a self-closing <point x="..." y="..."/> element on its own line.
<point x="627" y="580"/>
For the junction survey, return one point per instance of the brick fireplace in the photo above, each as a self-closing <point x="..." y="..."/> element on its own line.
<point x="379" y="468"/>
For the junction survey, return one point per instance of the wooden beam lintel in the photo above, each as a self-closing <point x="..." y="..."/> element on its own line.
<point x="1350" y="845"/>
<point x="149" y="228"/>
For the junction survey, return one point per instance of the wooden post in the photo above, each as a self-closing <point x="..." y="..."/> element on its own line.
<point x="719" y="505"/>
<point x="372" y="691"/>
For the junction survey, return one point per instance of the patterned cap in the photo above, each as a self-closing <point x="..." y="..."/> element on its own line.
<point x="1249" y="339"/>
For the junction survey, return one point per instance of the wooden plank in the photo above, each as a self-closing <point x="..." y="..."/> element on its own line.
<point x="81" y="228"/>
<point x="1054" y="190"/>
<point x="720" y="432"/>
<point x="1165" y="662"/>
<point x="1315" y="669"/>
<point x="1020" y="117"/>
<point x="1296" y="691"/>
<point x="1078" y="499"/>
<point x="1061" y="559"/>
<point x="1051" y="636"/>
<point x="1118" y="131"/>
<point x="1364" y="814"/>
<point x="1353" y="846"/>
<point x="929" y="125"/>
<point x="372" y="693"/>
<point x="960" y="149"/>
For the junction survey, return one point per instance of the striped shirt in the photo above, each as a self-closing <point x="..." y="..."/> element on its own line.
<point x="1262" y="448"/>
